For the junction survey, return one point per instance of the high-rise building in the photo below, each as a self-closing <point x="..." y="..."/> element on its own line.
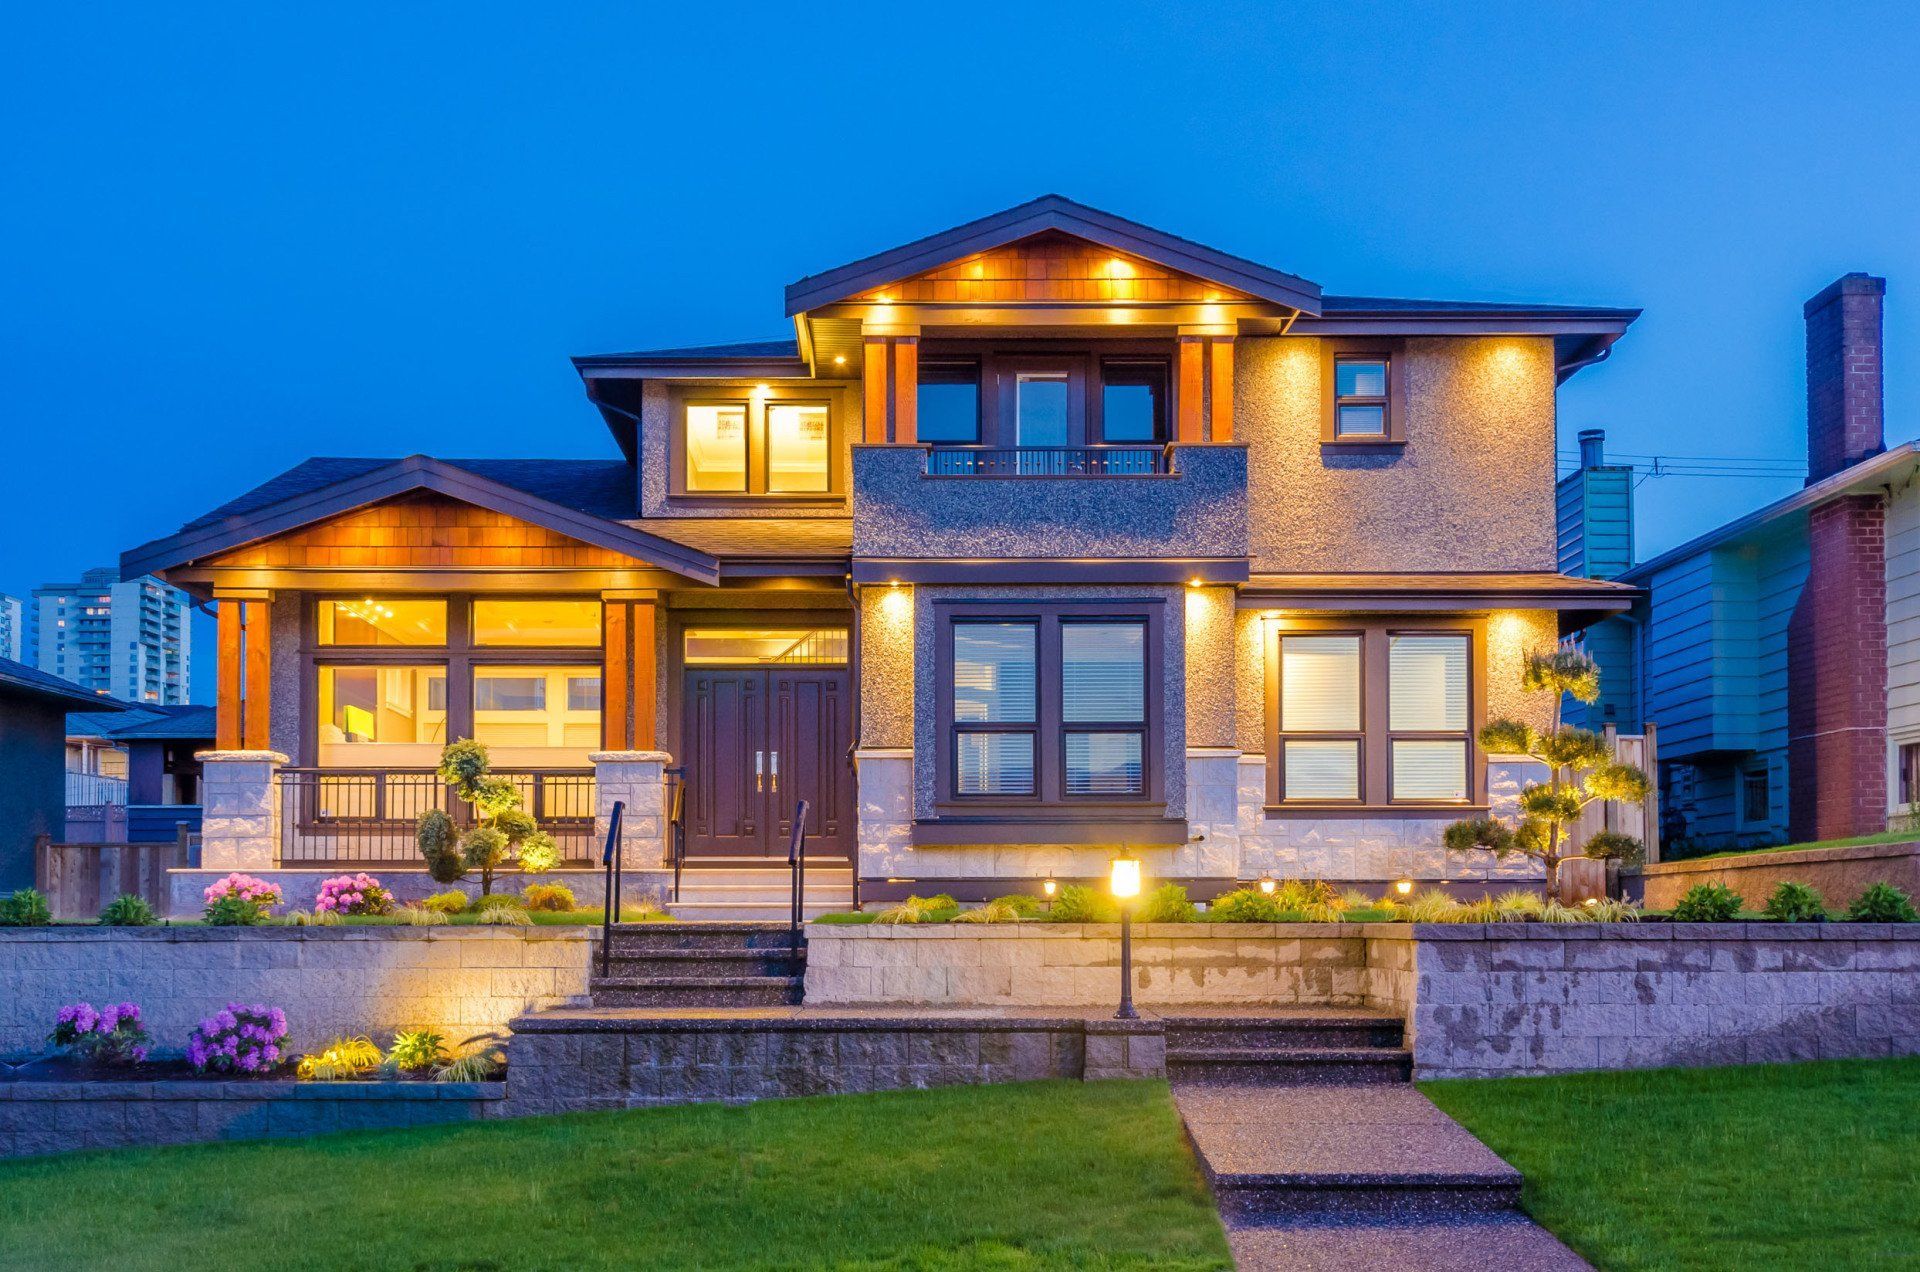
<point x="13" y="629"/>
<point x="129" y="640"/>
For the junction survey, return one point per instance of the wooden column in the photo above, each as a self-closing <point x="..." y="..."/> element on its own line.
<point x="243" y="710"/>
<point x="1190" y="393"/>
<point x="1220" y="389"/>
<point x="628" y="694"/>
<point x="906" y="388"/>
<point x="875" y="377"/>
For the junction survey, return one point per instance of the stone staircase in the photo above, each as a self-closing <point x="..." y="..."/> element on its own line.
<point x="696" y="964"/>
<point x="719" y="890"/>
<point x="1322" y="1154"/>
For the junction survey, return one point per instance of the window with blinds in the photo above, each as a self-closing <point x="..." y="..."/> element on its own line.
<point x="1103" y="702"/>
<point x="1320" y="695"/>
<point x="1427" y="715"/>
<point x="995" y="708"/>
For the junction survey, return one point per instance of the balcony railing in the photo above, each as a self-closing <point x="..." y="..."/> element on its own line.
<point x="357" y="817"/>
<point x="93" y="790"/>
<point x="1046" y="461"/>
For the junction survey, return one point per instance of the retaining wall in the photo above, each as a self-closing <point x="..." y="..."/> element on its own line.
<point x="187" y="888"/>
<point x="330" y="981"/>
<point x="1841" y="874"/>
<point x="59" y="1117"/>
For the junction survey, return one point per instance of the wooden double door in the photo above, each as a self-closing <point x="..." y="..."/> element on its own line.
<point x="756" y="741"/>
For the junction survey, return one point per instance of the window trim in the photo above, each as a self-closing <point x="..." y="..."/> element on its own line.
<point x="1278" y="782"/>
<point x="756" y="404"/>
<point x="1332" y="353"/>
<point x="1049" y="801"/>
<point x="1377" y="737"/>
<point x="458" y="657"/>
<point x="1085" y="365"/>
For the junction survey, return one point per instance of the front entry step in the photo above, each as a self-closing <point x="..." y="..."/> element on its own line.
<point x="693" y="964"/>
<point x="697" y="991"/>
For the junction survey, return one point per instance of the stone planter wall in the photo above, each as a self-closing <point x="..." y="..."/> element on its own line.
<point x="299" y="886"/>
<point x="1078" y="964"/>
<point x="1841" y="874"/>
<point x="331" y="981"/>
<point x="61" y="1117"/>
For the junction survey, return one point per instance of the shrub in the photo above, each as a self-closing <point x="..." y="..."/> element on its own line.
<point x="1485" y="910"/>
<point x="504" y="916"/>
<point x="1304" y="896"/>
<point x="1608" y="910"/>
<point x="112" y="1035"/>
<point x="1430" y="905"/>
<point x="312" y="918"/>
<point x="1081" y="903"/>
<point x="1518" y="903"/>
<point x="1023" y="905"/>
<point x="932" y="909"/>
<point x="1355" y="899"/>
<point x="496" y="901"/>
<point x="483" y="848"/>
<point x="240" y="901"/>
<point x="446" y="903"/>
<point x="1554" y="912"/>
<point x="439" y="844"/>
<point x="1168" y="904"/>
<point x="1796" y="903"/>
<point x="415" y="1050"/>
<point x="1882" y="903"/>
<point x="341" y="1060"/>
<point x="354" y="894"/>
<point x="238" y="1039"/>
<point x="463" y="764"/>
<point x="415" y="916"/>
<point x="25" y="908"/>
<point x="997" y="911"/>
<point x="476" y="1066"/>
<point x="1708" y="903"/>
<point x="1244" y="905"/>
<point x="539" y="853"/>
<point x="128" y="910"/>
<point x="557" y="897"/>
<point x="1612" y="845"/>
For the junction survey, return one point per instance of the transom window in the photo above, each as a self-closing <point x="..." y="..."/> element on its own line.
<point x="396" y="678"/>
<point x="1372" y="715"/>
<point x="1048" y="706"/>
<point x="754" y="445"/>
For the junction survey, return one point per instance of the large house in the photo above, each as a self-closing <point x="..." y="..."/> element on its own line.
<point x="1043" y="535"/>
<point x="1779" y="654"/>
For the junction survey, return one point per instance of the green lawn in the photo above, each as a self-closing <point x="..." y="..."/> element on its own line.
<point x="1761" y="1166"/>
<point x="1043" y="1175"/>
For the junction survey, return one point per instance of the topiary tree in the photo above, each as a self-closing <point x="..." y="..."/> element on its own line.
<point x="502" y="825"/>
<point x="483" y="848"/>
<point x="1580" y="768"/>
<point x="439" y="843"/>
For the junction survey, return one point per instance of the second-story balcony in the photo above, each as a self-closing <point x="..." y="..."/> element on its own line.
<point x="1185" y="502"/>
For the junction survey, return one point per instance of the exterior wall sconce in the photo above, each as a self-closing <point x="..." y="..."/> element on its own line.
<point x="1125" y="882"/>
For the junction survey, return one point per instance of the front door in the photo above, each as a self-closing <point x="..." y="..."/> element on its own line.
<point x="758" y="739"/>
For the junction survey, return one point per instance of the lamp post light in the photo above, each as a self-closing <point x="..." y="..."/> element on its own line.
<point x="1403" y="886"/>
<point x="1048" y="886"/>
<point x="1266" y="882"/>
<point x="1125" y="882"/>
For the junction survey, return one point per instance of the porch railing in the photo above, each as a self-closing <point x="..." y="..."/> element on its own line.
<point x="93" y="790"/>
<point x="1046" y="461"/>
<point x="355" y="817"/>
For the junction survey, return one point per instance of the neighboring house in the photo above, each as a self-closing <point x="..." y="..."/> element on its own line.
<point x="13" y="629"/>
<point x="1779" y="655"/>
<point x="33" y="798"/>
<point x="132" y="773"/>
<point x="1049" y="534"/>
<point x="130" y="640"/>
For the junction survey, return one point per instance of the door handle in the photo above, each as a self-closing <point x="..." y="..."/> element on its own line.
<point x="759" y="775"/>
<point x="776" y="772"/>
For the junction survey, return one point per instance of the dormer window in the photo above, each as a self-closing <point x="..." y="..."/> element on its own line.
<point x="751" y="443"/>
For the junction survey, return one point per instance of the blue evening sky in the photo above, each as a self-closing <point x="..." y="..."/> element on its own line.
<point x="238" y="236"/>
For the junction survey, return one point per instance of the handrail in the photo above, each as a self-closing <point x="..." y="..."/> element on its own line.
<point x="797" y="860"/>
<point x="677" y="826"/>
<point x="613" y="885"/>
<point x="1119" y="460"/>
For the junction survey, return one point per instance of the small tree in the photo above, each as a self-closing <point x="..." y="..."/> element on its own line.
<point x="1581" y="770"/>
<point x="502" y="824"/>
<point x="439" y="843"/>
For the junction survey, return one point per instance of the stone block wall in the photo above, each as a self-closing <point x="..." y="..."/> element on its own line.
<point x="187" y="888"/>
<point x="1841" y="874"/>
<point x="330" y="981"/>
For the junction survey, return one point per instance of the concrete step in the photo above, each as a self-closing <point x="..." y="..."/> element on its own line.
<point x="638" y="939"/>
<point x="1303" y="1155"/>
<point x="773" y="961"/>
<point x="1458" y="1244"/>
<point x="1284" y="1031"/>
<point x="751" y="911"/>
<point x="696" y="991"/>
<point x="1284" y="1066"/>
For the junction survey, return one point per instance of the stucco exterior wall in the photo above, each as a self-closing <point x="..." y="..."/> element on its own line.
<point x="886" y="666"/>
<point x="1472" y="489"/>
<point x="1211" y="676"/>
<point x="286" y="711"/>
<point x="1511" y="636"/>
<point x="656" y="452"/>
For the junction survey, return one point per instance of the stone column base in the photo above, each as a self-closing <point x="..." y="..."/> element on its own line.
<point x="240" y="822"/>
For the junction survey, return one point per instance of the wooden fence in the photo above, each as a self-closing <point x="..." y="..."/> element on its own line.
<point x="1641" y="820"/>
<point x="78" y="879"/>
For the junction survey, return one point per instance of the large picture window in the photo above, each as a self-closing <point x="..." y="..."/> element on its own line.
<point x="1048" y="706"/>
<point x="1374" y="714"/>
<point x="397" y="678"/>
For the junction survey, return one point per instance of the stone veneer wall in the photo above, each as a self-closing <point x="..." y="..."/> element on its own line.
<point x="331" y="981"/>
<point x="187" y="888"/>
<point x="61" y="1117"/>
<point x="1478" y="999"/>
<point x="1841" y="874"/>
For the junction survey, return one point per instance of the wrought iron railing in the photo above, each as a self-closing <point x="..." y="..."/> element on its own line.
<point x="367" y="816"/>
<point x="676" y="824"/>
<point x="613" y="860"/>
<point x="797" y="860"/>
<point x="1046" y="461"/>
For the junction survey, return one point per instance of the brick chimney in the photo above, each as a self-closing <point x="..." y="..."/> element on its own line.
<point x="1837" y="636"/>
<point x="1844" y="418"/>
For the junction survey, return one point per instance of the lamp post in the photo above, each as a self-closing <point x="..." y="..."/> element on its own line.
<point x="1125" y="882"/>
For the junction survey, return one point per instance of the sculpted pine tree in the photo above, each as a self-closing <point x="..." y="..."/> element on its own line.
<point x="1581" y="770"/>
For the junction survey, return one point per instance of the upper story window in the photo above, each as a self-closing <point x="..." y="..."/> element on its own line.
<point x="1373" y="714"/>
<point x="1048" y="704"/>
<point x="1365" y="399"/>
<point x="753" y="445"/>
<point x="948" y="404"/>
<point x="1042" y="400"/>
